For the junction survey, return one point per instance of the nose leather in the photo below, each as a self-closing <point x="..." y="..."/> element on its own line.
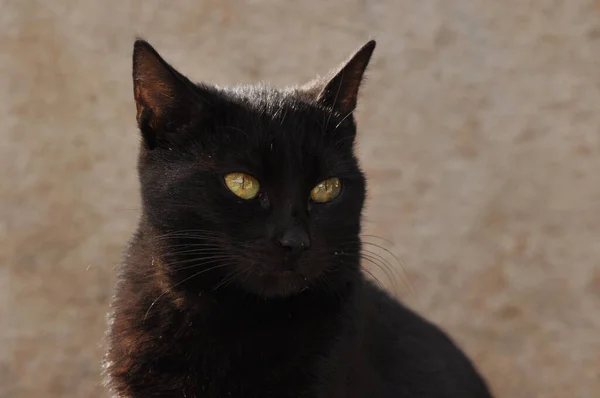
<point x="294" y="239"/>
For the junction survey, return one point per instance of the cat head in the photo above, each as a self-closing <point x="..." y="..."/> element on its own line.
<point x="252" y="188"/>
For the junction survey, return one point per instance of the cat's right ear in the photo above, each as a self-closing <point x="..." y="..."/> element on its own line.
<point x="164" y="98"/>
<point x="339" y="91"/>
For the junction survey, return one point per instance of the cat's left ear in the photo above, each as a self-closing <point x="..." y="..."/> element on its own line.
<point x="164" y="98"/>
<point x="341" y="91"/>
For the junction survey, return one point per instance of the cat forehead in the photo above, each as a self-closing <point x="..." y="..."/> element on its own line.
<point x="267" y="103"/>
<point x="276" y="133"/>
<point x="283" y="113"/>
<point x="279" y="125"/>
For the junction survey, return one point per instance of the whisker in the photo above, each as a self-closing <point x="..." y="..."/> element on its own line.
<point x="198" y="251"/>
<point x="365" y="270"/>
<point x="401" y="268"/>
<point x="228" y="279"/>
<point x="199" y="263"/>
<point x="400" y="264"/>
<point x="198" y="259"/>
<point x="385" y="268"/>
<point x="376" y="262"/>
<point x="375" y="278"/>
<point x="204" y="244"/>
<point x="195" y="237"/>
<point x="190" y="233"/>
<point x="382" y="264"/>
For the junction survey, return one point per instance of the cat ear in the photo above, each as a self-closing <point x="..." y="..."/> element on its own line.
<point x="341" y="91"/>
<point x="164" y="98"/>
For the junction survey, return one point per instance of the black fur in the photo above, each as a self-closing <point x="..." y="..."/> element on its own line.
<point x="209" y="305"/>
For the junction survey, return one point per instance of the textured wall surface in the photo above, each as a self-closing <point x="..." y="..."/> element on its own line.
<point x="479" y="130"/>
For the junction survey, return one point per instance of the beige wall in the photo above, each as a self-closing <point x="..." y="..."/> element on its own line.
<point x="480" y="132"/>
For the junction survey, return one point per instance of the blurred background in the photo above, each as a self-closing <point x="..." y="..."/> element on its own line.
<point x="479" y="132"/>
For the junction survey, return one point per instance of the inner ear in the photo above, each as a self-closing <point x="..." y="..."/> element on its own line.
<point x="340" y="92"/>
<point x="164" y="97"/>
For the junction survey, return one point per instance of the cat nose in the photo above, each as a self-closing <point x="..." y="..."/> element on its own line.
<point x="294" y="239"/>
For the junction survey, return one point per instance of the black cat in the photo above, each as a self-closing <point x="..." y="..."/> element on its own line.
<point x="244" y="278"/>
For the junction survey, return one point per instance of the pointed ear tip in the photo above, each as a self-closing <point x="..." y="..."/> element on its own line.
<point x="140" y="45"/>
<point x="369" y="47"/>
<point x="143" y="54"/>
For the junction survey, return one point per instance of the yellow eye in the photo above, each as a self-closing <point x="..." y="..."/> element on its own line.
<point x="243" y="185"/>
<point x="326" y="190"/>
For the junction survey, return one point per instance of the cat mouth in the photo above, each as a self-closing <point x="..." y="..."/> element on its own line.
<point x="278" y="283"/>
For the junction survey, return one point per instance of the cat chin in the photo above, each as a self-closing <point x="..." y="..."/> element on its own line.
<point x="277" y="284"/>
